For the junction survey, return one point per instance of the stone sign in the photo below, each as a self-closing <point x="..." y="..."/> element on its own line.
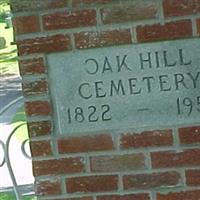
<point x="126" y="87"/>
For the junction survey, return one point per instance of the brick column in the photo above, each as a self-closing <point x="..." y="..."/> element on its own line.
<point x="155" y="164"/>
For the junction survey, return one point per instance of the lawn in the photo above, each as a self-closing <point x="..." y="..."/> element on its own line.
<point x="9" y="66"/>
<point x="10" y="196"/>
<point x="8" y="55"/>
<point x="20" y="118"/>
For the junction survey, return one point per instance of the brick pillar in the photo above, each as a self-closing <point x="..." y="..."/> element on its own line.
<point x="145" y="164"/>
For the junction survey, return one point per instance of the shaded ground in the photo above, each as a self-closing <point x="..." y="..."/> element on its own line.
<point x="10" y="91"/>
<point x="10" y="86"/>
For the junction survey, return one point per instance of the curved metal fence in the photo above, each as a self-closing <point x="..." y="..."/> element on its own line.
<point x="6" y="159"/>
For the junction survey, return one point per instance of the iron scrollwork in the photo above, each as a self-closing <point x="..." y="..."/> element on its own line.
<point x="6" y="159"/>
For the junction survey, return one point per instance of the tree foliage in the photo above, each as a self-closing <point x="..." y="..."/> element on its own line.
<point x="4" y="2"/>
<point x="4" y="8"/>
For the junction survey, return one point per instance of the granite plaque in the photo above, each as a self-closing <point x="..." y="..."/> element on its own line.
<point x="133" y="86"/>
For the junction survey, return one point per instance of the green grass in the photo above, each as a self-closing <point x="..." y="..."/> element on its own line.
<point x="4" y="8"/>
<point x="20" y="118"/>
<point x="8" y="55"/>
<point x="2" y="20"/>
<point x="10" y="196"/>
<point x="9" y="65"/>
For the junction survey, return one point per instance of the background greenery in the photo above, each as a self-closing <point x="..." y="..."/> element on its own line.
<point x="8" y="55"/>
<point x="20" y="118"/>
<point x="3" y="8"/>
<point x="9" y="66"/>
<point x="10" y="196"/>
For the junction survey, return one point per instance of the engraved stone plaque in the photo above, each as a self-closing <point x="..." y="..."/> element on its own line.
<point x="126" y="87"/>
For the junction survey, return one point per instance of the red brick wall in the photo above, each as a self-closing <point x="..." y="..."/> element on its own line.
<point x="147" y="165"/>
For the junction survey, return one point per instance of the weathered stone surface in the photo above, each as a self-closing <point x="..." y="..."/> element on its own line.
<point x="126" y="87"/>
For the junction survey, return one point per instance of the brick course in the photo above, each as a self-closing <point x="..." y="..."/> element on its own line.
<point x="181" y="7"/>
<point x="41" y="148"/>
<point x="37" y="108"/>
<point x="75" y="19"/>
<point x="32" y="66"/>
<point x="137" y="11"/>
<point x="85" y="40"/>
<point x="125" y="197"/>
<point x="188" y="157"/>
<point x="48" y="44"/>
<point x="198" y="26"/>
<point x="58" y="166"/>
<point x="35" y="87"/>
<point x="83" y="198"/>
<point x="189" y="135"/>
<point x="193" y="177"/>
<point x="88" y="2"/>
<point x="185" y="195"/>
<point x="117" y="163"/>
<point x="41" y="128"/>
<point x="92" y="184"/>
<point x="85" y="144"/>
<point x="27" y="24"/>
<point x="154" y="180"/>
<point x="35" y="5"/>
<point x="169" y="31"/>
<point x="147" y="139"/>
<point x="48" y="187"/>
